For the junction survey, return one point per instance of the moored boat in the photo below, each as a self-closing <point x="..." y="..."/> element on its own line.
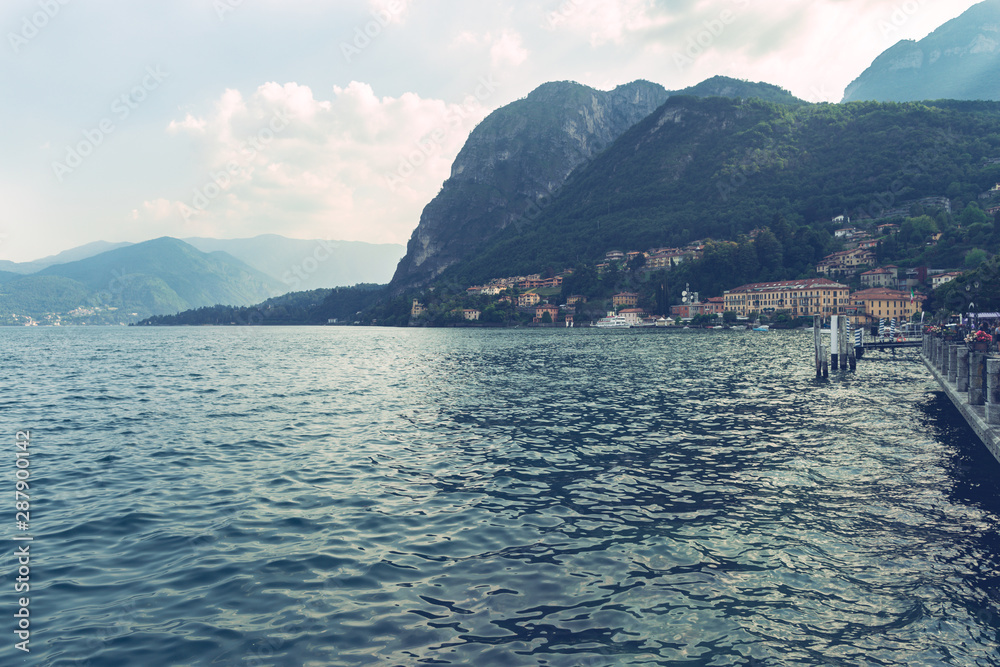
<point x="613" y="321"/>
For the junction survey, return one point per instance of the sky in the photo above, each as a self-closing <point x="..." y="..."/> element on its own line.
<point x="339" y="119"/>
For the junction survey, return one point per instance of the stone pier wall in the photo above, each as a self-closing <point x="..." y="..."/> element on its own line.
<point x="972" y="382"/>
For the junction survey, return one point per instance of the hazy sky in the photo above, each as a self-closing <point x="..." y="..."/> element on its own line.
<point x="129" y="120"/>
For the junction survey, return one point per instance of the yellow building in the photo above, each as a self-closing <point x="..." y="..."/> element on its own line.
<point x="800" y="298"/>
<point x="875" y="304"/>
<point x="847" y="261"/>
<point x="418" y="309"/>
<point x="625" y="299"/>
<point x="528" y="299"/>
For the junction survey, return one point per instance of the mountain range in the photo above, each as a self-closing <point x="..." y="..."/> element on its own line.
<point x="120" y="283"/>
<point x="522" y="154"/>
<point x="71" y="255"/>
<point x="504" y="203"/>
<point x="723" y="168"/>
<point x="960" y="60"/>
<point x="310" y="264"/>
<point x="570" y="172"/>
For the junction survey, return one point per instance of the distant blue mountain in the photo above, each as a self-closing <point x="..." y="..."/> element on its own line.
<point x="310" y="264"/>
<point x="297" y="264"/>
<point x="958" y="61"/>
<point x="71" y="255"/>
<point x="129" y="283"/>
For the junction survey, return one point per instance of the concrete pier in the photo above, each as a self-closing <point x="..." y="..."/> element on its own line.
<point x="962" y="375"/>
<point x="972" y="381"/>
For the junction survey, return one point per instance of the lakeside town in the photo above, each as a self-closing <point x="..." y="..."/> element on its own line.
<point x="850" y="282"/>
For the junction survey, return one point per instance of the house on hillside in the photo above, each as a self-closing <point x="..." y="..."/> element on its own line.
<point x="528" y="299"/>
<point x="885" y="276"/>
<point x="944" y="278"/>
<point x="624" y="299"/>
<point x="845" y="262"/>
<point x="540" y="311"/>
<point x="667" y="260"/>
<point x="471" y="314"/>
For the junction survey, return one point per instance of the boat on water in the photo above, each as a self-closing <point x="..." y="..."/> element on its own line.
<point x="613" y="321"/>
<point x="762" y="327"/>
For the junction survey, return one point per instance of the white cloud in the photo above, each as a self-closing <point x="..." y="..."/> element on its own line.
<point x="392" y="10"/>
<point x="606" y="21"/>
<point x="158" y="209"/>
<point x="306" y="178"/>
<point x="356" y="166"/>
<point x="507" y="50"/>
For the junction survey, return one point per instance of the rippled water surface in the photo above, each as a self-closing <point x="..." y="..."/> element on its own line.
<point x="455" y="497"/>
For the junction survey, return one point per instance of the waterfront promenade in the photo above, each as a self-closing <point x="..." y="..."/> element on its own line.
<point x="971" y="379"/>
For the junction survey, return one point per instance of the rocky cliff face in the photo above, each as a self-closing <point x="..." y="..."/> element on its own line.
<point x="513" y="163"/>
<point x="960" y="60"/>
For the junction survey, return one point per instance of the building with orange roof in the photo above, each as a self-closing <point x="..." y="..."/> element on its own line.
<point x="540" y="311"/>
<point x="871" y="305"/>
<point x="885" y="276"/>
<point x="625" y="299"/>
<point x="800" y="298"/>
<point x="846" y="261"/>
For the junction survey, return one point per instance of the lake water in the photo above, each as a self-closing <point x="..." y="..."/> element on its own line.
<point x="331" y="496"/>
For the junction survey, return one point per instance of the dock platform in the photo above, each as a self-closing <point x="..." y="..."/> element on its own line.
<point x="892" y="346"/>
<point x="971" y="380"/>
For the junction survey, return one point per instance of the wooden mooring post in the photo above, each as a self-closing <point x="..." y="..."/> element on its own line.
<point x="822" y="369"/>
<point x="841" y="352"/>
<point x="845" y="344"/>
<point x="852" y="354"/>
<point x="834" y="344"/>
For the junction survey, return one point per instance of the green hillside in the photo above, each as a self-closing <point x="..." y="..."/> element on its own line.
<point x="197" y="278"/>
<point x="724" y="86"/>
<point x="33" y="295"/>
<point x="122" y="285"/>
<point x="294" y="308"/>
<point x="719" y="168"/>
